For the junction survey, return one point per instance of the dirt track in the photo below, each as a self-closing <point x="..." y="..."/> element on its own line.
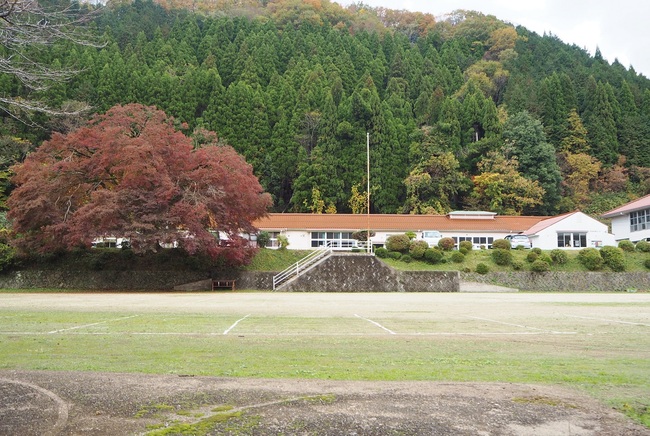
<point x="69" y="403"/>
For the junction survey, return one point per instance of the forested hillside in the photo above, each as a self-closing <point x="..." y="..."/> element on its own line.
<point x="465" y="113"/>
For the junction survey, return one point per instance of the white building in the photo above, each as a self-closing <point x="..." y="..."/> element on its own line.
<point x="308" y="231"/>
<point x="574" y="230"/>
<point x="632" y="220"/>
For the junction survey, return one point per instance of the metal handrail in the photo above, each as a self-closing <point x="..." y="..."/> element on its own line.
<point x="301" y="266"/>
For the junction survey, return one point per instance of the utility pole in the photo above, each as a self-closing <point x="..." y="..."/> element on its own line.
<point x="368" y="243"/>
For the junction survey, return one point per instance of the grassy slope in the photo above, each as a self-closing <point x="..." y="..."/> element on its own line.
<point x="634" y="262"/>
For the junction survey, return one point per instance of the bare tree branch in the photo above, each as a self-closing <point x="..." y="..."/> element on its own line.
<point x="25" y="27"/>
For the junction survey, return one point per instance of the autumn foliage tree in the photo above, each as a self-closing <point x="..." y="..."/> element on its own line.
<point x="501" y="188"/>
<point x="129" y="173"/>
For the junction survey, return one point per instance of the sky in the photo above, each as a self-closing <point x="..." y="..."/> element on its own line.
<point x="619" y="28"/>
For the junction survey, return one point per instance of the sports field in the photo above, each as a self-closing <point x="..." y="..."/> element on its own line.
<point x="597" y="343"/>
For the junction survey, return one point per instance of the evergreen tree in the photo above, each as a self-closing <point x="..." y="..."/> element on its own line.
<point x="601" y="126"/>
<point x="575" y="140"/>
<point x="524" y="136"/>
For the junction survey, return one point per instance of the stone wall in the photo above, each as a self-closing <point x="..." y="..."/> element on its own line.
<point x="100" y="280"/>
<point x="363" y="273"/>
<point x="565" y="281"/>
<point x="339" y="273"/>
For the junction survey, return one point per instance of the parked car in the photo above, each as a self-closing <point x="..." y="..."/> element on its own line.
<point x="431" y="237"/>
<point x="518" y="240"/>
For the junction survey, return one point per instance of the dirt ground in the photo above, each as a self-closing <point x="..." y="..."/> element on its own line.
<point x="75" y="403"/>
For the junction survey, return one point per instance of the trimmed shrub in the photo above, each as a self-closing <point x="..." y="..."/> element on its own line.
<point x="626" y="246"/>
<point x="263" y="239"/>
<point x="467" y="269"/>
<point x="540" y="266"/>
<point x="394" y="255"/>
<point x="381" y="252"/>
<point x="643" y="246"/>
<point x="559" y="257"/>
<point x="502" y="244"/>
<point x="532" y="257"/>
<point x="463" y="250"/>
<point x="411" y="235"/>
<point x="545" y="258"/>
<point x="536" y="250"/>
<point x="482" y="268"/>
<point x="647" y="263"/>
<point x="283" y="242"/>
<point x="417" y="249"/>
<point x="501" y="256"/>
<point x="457" y="257"/>
<point x="517" y="265"/>
<point x="406" y="258"/>
<point x="446" y="244"/>
<point x="467" y="245"/>
<point x="433" y="255"/>
<point x="590" y="258"/>
<point x="399" y="243"/>
<point x="613" y="257"/>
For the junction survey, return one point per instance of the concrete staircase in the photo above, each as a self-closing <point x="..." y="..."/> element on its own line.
<point x="305" y="264"/>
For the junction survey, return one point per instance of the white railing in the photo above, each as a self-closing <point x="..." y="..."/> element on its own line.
<point x="301" y="266"/>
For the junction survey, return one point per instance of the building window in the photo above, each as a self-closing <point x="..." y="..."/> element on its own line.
<point x="575" y="239"/>
<point x="477" y="241"/>
<point x="273" y="240"/>
<point x="640" y="220"/>
<point x="332" y="239"/>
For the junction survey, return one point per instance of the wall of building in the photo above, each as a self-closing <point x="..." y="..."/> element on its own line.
<point x="621" y="229"/>
<point x="597" y="236"/>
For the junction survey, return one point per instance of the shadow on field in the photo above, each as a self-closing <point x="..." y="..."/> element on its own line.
<point x="73" y="403"/>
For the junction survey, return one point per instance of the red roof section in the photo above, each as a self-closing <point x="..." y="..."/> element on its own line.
<point x="547" y="223"/>
<point x="386" y="222"/>
<point x="641" y="203"/>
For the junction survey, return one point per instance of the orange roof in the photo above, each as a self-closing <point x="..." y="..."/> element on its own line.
<point x="547" y="223"/>
<point x="641" y="203"/>
<point x="403" y="223"/>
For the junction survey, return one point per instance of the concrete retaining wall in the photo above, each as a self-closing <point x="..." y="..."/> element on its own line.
<point x="129" y="280"/>
<point x="339" y="273"/>
<point x="565" y="281"/>
<point x="101" y="280"/>
<point x="363" y="273"/>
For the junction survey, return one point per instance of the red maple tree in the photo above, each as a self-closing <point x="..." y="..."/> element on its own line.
<point x="129" y="173"/>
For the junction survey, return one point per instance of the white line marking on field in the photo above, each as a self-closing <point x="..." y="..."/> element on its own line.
<point x="517" y="325"/>
<point x="376" y="323"/>
<point x="609" y="320"/>
<point x="90" y="325"/>
<point x="296" y="334"/>
<point x="235" y="324"/>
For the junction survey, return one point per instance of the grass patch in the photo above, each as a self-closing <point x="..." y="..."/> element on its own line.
<point x="638" y="412"/>
<point x="275" y="260"/>
<point x="200" y="428"/>
<point x="153" y="410"/>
